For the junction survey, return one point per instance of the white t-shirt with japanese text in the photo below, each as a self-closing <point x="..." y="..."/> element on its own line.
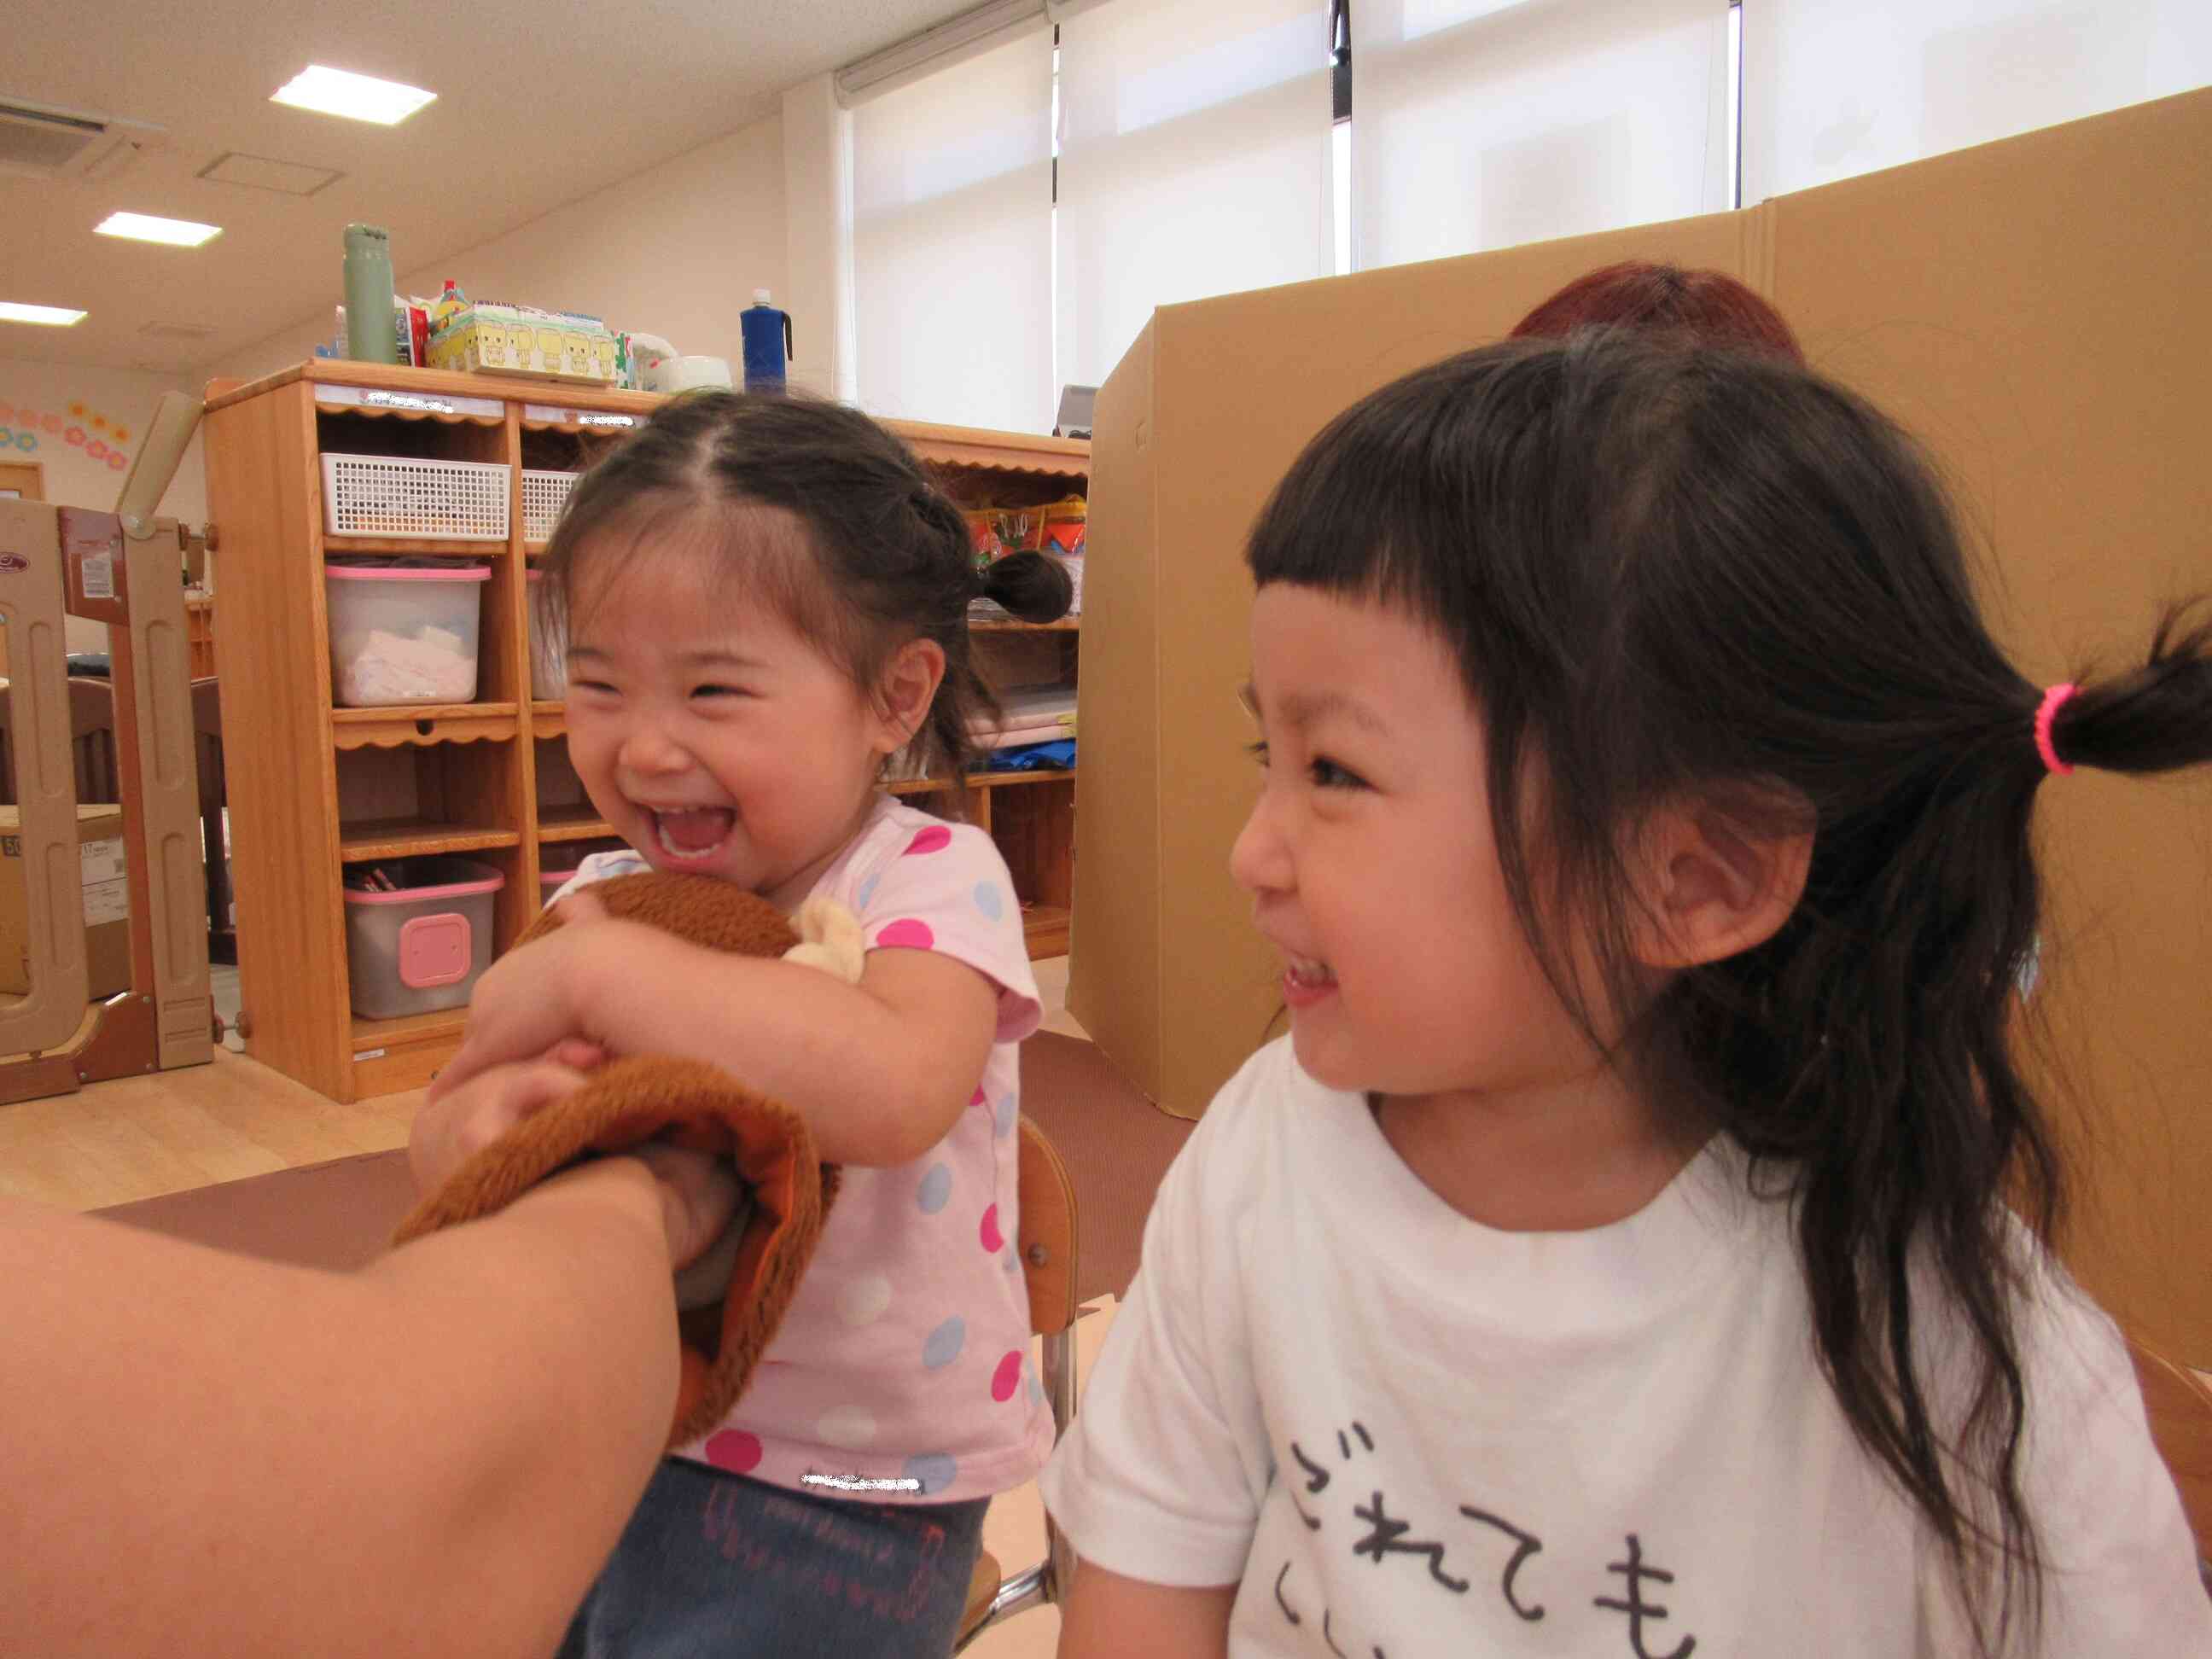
<point x="1402" y="1434"/>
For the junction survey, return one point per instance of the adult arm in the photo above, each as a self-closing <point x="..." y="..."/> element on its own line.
<point x="208" y="1454"/>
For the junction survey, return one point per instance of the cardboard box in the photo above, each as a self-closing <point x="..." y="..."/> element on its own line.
<point x="556" y="345"/>
<point x="106" y="904"/>
<point x="2030" y="307"/>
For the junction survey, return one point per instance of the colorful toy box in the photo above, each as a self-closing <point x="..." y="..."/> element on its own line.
<point x="555" y="345"/>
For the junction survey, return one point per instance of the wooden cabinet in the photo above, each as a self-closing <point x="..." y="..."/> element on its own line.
<point x="314" y="787"/>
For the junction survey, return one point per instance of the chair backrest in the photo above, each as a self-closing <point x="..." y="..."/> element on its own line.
<point x="92" y="739"/>
<point x="1047" y="1234"/>
<point x="2180" y="1406"/>
<point x="1046" y="1239"/>
<point x="207" y="754"/>
<point x="207" y="748"/>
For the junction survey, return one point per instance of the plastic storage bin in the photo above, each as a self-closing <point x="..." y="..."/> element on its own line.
<point x="393" y="495"/>
<point x="544" y="495"/>
<point x="422" y="947"/>
<point x="404" y="636"/>
<point x="558" y="865"/>
<point x="549" y="650"/>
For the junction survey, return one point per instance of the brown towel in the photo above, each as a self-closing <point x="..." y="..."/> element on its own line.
<point x="690" y="1104"/>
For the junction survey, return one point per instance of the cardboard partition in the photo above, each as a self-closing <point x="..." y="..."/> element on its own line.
<point x="2034" y="311"/>
<point x="1192" y="428"/>
<point x="2033" y="308"/>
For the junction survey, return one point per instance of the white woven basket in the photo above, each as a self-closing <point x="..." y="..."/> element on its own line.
<point x="543" y="494"/>
<point x="436" y="501"/>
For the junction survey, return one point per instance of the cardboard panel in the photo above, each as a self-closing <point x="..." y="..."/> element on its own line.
<point x="2034" y="310"/>
<point x="1194" y="426"/>
<point x="1114" y="958"/>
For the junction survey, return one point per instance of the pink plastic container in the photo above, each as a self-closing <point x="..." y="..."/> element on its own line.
<point x="423" y="947"/>
<point x="404" y="635"/>
<point x="559" y="864"/>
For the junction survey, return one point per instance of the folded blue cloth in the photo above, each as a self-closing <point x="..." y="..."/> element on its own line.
<point x="1031" y="757"/>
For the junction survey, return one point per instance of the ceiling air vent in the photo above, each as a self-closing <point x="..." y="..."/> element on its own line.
<point x="39" y="141"/>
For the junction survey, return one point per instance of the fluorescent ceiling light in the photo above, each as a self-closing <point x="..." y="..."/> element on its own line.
<point x="145" y="227"/>
<point x="356" y="97"/>
<point x="52" y="316"/>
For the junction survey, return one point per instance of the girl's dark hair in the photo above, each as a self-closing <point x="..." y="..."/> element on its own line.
<point x="885" y="556"/>
<point x="1707" y="307"/>
<point x="1670" y="574"/>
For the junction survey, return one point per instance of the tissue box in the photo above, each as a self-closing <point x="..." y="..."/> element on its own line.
<point x="106" y="920"/>
<point x="553" y="345"/>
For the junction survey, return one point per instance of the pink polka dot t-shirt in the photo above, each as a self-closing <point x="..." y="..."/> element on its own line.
<point x="902" y="1371"/>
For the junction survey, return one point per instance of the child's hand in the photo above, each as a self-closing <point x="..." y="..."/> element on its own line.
<point x="456" y="1123"/>
<point x="534" y="998"/>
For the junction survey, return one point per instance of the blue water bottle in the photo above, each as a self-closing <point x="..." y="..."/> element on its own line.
<point x="768" y="344"/>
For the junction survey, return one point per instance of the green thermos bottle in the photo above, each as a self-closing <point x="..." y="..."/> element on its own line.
<point x="371" y="329"/>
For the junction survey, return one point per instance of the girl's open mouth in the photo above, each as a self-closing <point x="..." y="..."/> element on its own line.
<point x="691" y="834"/>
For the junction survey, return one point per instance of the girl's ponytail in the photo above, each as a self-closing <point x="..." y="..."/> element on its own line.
<point x="2156" y="718"/>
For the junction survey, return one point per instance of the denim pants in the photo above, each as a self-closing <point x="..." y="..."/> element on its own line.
<point x="714" y="1565"/>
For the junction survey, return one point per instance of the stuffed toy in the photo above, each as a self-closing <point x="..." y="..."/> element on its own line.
<point x="732" y="1300"/>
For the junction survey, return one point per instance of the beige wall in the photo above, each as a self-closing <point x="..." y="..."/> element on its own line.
<point x="676" y="250"/>
<point x="119" y="398"/>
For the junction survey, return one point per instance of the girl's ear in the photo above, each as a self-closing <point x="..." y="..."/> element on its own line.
<point x="905" y="692"/>
<point x="1712" y="885"/>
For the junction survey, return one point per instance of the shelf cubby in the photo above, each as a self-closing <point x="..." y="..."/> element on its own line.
<point x="320" y="787"/>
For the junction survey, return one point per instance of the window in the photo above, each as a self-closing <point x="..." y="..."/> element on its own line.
<point x="1831" y="90"/>
<point x="1193" y="156"/>
<point x="1488" y="123"/>
<point x="952" y="243"/>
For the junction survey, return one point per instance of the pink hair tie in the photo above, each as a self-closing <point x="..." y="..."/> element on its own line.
<point x="2053" y="700"/>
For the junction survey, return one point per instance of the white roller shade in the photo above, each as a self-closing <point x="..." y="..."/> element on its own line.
<point x="1833" y="89"/>
<point x="1485" y="123"/>
<point x="1193" y="161"/>
<point x="952" y="243"/>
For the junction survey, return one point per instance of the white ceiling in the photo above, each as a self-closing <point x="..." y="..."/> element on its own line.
<point x="540" y="102"/>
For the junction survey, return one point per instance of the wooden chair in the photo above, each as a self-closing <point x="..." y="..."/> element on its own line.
<point x="207" y="753"/>
<point x="2180" y="1406"/>
<point x="92" y="742"/>
<point x="1046" y="1240"/>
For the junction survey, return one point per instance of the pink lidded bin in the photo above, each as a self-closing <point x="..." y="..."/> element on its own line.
<point x="401" y="635"/>
<point x="421" y="946"/>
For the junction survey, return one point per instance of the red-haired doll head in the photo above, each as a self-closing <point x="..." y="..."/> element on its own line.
<point x="1709" y="305"/>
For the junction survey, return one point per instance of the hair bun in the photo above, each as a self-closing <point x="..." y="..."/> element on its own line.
<point x="1034" y="586"/>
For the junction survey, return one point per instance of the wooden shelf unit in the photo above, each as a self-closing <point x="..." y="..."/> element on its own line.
<point x="313" y="787"/>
